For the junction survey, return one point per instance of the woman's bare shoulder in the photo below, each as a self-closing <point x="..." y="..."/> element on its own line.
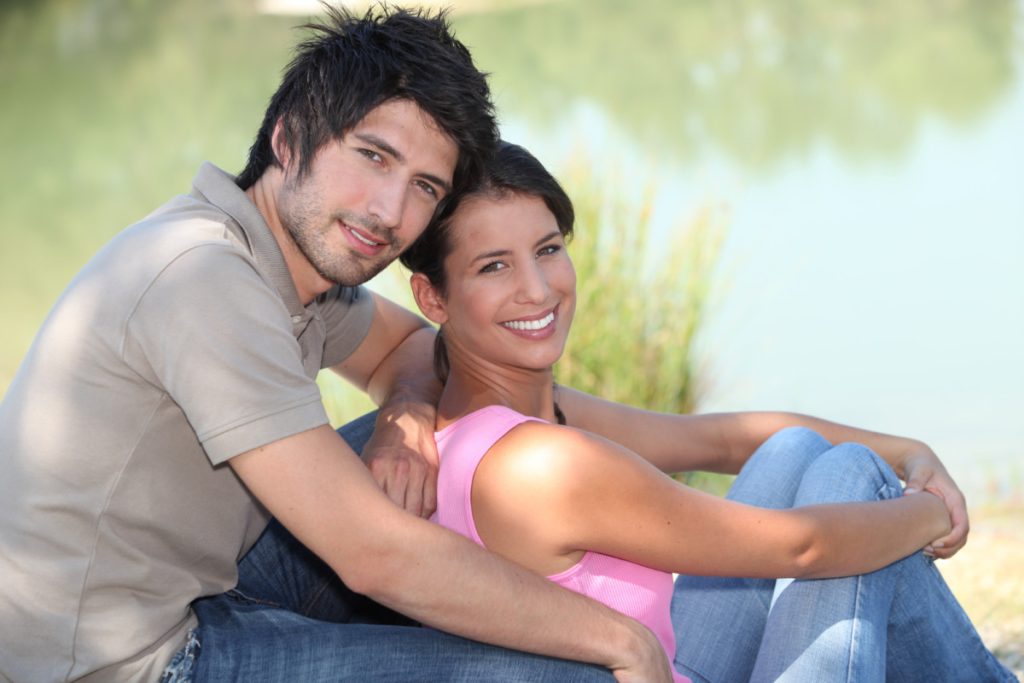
<point x="543" y="453"/>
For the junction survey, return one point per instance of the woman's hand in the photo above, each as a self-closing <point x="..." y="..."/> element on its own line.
<point x="923" y="471"/>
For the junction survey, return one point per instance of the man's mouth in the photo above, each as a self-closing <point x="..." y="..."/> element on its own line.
<point x="363" y="237"/>
<point x="363" y="242"/>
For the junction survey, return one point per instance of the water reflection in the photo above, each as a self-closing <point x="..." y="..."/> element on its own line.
<point x="757" y="81"/>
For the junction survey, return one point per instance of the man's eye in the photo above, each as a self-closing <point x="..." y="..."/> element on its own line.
<point x="428" y="188"/>
<point x="371" y="155"/>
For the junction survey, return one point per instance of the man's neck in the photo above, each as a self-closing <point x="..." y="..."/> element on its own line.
<point x="263" y="193"/>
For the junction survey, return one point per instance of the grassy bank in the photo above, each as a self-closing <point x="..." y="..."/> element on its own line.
<point x="986" y="577"/>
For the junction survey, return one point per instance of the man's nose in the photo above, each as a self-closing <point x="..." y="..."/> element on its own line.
<point x="388" y="202"/>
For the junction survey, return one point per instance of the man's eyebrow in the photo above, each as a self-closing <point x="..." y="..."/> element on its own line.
<point x="386" y="147"/>
<point x="504" y="252"/>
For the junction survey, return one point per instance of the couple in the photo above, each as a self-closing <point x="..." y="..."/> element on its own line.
<point x="178" y="508"/>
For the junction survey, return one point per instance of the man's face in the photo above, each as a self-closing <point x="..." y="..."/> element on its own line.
<point x="369" y="195"/>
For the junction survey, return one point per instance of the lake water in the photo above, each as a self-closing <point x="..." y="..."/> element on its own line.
<point x="869" y="157"/>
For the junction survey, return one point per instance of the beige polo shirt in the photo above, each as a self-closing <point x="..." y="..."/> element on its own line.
<point x="182" y="343"/>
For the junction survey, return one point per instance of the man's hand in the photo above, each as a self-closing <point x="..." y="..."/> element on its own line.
<point x="923" y="471"/>
<point x="402" y="456"/>
<point x="646" y="662"/>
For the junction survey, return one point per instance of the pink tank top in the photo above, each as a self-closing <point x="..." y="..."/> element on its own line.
<point x="635" y="590"/>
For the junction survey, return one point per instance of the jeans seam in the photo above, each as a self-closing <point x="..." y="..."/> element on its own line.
<point x="855" y="634"/>
<point x="235" y="593"/>
<point x="314" y="598"/>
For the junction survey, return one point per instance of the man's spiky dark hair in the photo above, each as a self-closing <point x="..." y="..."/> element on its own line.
<point x="352" y="64"/>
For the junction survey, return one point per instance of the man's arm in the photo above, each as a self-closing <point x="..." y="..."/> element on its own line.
<point x="317" y="487"/>
<point x="393" y="365"/>
<point x="722" y="442"/>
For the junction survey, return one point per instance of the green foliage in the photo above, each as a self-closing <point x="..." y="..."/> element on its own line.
<point x="640" y="304"/>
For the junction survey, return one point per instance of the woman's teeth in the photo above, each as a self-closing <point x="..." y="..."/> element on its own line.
<point x="531" y="324"/>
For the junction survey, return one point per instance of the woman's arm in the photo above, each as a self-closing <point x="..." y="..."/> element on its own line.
<point x="713" y="442"/>
<point x="565" y="491"/>
<point x="722" y="442"/>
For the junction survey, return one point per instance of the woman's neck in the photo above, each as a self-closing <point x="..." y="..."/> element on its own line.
<point x="530" y="392"/>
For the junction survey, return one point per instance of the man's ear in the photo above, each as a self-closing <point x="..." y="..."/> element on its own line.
<point x="428" y="299"/>
<point x="280" y="148"/>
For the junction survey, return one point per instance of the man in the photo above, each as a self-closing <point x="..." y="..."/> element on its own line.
<point x="167" y="410"/>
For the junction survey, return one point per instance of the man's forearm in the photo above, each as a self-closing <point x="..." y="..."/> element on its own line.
<point x="449" y="583"/>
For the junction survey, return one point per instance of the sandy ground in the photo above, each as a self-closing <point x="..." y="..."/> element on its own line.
<point x="988" y="578"/>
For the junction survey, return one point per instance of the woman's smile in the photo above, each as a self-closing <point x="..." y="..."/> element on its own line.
<point x="533" y="327"/>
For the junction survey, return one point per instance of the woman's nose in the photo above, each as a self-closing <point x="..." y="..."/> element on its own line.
<point x="533" y="284"/>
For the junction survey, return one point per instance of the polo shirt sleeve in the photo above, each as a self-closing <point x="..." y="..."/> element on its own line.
<point x="217" y="338"/>
<point x="347" y="313"/>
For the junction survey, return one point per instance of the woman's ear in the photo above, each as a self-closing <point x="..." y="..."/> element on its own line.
<point x="428" y="299"/>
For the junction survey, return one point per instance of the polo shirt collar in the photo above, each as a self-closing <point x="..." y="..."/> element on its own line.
<point x="219" y="188"/>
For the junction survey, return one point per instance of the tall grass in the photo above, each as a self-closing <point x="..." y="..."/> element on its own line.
<point x="641" y="302"/>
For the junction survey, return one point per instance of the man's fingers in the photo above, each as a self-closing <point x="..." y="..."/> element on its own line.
<point x="414" y="491"/>
<point x="430" y="492"/>
<point x="392" y="477"/>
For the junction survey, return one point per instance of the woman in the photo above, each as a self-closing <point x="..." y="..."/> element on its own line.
<point x="594" y="514"/>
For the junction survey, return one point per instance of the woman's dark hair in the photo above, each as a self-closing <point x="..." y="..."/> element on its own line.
<point x="353" y="64"/>
<point x="511" y="171"/>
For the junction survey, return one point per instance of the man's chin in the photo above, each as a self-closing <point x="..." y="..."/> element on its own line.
<point x="354" y="277"/>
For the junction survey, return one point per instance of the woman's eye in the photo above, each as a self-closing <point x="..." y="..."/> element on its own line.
<point x="549" y="249"/>
<point x="493" y="267"/>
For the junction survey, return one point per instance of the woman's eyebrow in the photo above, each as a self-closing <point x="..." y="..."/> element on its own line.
<point x="505" y="252"/>
<point x="545" y="238"/>
<point x="491" y="254"/>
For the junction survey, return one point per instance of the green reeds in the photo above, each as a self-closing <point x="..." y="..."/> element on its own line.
<point x="642" y="298"/>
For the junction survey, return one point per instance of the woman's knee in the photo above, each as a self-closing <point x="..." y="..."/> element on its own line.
<point x="771" y="476"/>
<point x="799" y="437"/>
<point x="848" y="472"/>
<point x="793" y="441"/>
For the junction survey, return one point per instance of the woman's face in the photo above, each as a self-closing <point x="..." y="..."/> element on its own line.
<point x="511" y="286"/>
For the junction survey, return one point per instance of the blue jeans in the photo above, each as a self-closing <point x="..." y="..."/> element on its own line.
<point x="291" y="619"/>
<point x="900" y="623"/>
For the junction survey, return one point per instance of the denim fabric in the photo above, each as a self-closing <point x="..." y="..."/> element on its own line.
<point x="292" y="619"/>
<point x="900" y="623"/>
<point x="179" y="670"/>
